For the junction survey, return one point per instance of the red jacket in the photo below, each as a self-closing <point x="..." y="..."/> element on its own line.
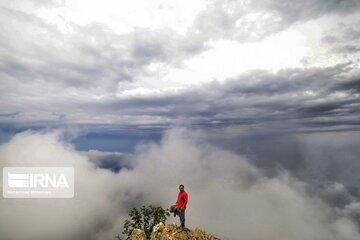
<point x="182" y="198"/>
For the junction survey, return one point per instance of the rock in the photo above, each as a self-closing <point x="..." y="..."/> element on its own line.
<point x="137" y="234"/>
<point x="172" y="232"/>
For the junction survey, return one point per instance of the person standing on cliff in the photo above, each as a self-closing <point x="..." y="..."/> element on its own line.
<point x="181" y="203"/>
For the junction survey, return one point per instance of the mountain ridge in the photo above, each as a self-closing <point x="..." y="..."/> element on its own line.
<point x="163" y="231"/>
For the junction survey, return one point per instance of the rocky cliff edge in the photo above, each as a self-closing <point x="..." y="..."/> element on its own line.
<point x="172" y="232"/>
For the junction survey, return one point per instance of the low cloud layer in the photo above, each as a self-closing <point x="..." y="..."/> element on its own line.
<point x="229" y="196"/>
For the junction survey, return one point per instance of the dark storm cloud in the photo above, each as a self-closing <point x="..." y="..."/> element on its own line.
<point x="308" y="9"/>
<point x="9" y="114"/>
<point x="294" y="94"/>
<point x="343" y="40"/>
<point x="163" y="46"/>
<point x="349" y="32"/>
<point x="346" y="50"/>
<point x="230" y="19"/>
<point x="342" y="33"/>
<point x="315" y="98"/>
<point x="324" y="109"/>
<point x="34" y="50"/>
<point x="352" y="85"/>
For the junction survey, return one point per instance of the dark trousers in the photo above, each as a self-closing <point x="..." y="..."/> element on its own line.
<point x="181" y="214"/>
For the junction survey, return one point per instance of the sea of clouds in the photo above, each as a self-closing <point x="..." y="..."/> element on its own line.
<point x="228" y="195"/>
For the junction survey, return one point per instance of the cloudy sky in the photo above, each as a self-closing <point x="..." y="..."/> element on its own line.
<point x="273" y="84"/>
<point x="147" y="65"/>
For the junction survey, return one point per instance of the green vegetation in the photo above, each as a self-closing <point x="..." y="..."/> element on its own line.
<point x="144" y="218"/>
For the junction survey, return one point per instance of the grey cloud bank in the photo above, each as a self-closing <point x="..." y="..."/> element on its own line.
<point x="298" y="100"/>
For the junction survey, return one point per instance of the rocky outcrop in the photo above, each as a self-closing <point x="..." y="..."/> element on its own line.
<point x="172" y="232"/>
<point x="137" y="234"/>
